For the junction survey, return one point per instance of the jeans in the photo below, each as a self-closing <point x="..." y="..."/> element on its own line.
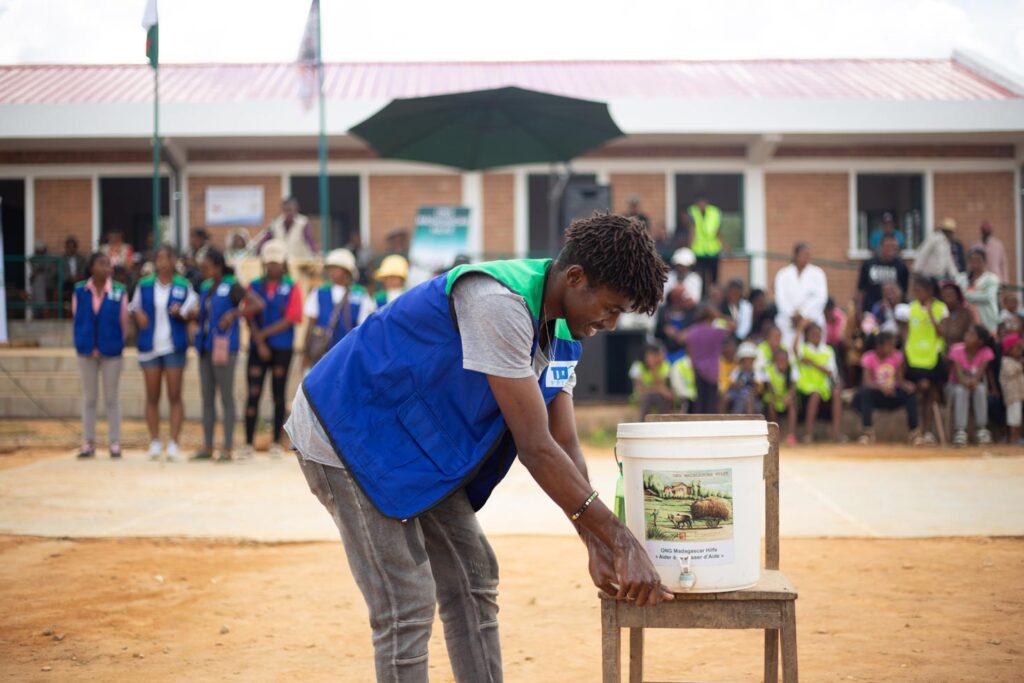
<point x="92" y="370"/>
<point x="404" y="569"/>
<point x="869" y="400"/>
<point x="214" y="378"/>
<point x="962" y="397"/>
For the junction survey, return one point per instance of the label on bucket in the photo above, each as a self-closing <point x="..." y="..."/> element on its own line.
<point x="689" y="512"/>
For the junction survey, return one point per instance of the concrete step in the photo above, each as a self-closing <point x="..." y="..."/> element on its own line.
<point x="44" y="333"/>
<point x="46" y="383"/>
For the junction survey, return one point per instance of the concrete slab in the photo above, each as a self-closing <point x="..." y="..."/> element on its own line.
<point x="268" y="500"/>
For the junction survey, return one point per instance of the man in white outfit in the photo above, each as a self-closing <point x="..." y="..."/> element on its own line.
<point x="292" y="228"/>
<point x="935" y="255"/>
<point x="801" y="291"/>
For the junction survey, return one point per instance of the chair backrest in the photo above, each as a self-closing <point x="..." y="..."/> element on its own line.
<point x="771" y="477"/>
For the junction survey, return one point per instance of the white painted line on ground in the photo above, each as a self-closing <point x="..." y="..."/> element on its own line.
<point x="831" y="504"/>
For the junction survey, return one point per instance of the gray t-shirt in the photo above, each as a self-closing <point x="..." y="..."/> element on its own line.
<point x="497" y="336"/>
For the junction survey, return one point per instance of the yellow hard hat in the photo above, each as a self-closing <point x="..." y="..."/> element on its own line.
<point x="394" y="265"/>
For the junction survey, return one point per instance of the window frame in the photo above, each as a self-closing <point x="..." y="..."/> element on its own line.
<point x="857" y="253"/>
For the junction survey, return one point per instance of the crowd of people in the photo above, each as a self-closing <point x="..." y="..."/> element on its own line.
<point x="170" y="302"/>
<point x="945" y="332"/>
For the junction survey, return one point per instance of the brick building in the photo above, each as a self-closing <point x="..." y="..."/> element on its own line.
<point x="813" y="150"/>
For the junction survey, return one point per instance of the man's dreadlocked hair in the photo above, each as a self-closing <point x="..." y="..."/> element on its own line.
<point x="617" y="252"/>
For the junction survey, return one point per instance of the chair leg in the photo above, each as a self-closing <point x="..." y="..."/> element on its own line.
<point x="636" y="655"/>
<point x="610" y="644"/>
<point x="789" y="662"/>
<point x="771" y="655"/>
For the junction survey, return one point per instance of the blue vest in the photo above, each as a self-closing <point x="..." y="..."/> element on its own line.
<point x="356" y="296"/>
<point x="178" y="295"/>
<point x="99" y="330"/>
<point x="214" y="302"/>
<point x="409" y="422"/>
<point x="274" y="310"/>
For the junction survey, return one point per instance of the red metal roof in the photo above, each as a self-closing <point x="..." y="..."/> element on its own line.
<point x="864" y="79"/>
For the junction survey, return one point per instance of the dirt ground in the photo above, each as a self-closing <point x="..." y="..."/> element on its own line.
<point x="169" y="610"/>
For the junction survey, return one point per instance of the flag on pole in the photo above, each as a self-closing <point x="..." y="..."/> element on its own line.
<point x="149" y="22"/>
<point x="309" y="57"/>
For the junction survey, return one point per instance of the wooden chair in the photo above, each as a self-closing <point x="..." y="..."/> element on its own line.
<point x="769" y="605"/>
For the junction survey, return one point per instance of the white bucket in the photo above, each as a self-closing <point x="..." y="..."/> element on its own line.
<point x="695" y="491"/>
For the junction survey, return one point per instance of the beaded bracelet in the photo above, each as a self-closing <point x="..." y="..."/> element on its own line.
<point x="583" y="508"/>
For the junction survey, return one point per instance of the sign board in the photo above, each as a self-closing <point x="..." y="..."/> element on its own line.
<point x="441" y="234"/>
<point x="234" y="205"/>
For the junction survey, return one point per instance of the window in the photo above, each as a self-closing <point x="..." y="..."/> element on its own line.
<point x="724" y="190"/>
<point x="127" y="204"/>
<point x="343" y="196"/>
<point x="898" y="194"/>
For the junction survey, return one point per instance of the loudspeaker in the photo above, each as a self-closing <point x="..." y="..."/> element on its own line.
<point x="580" y="201"/>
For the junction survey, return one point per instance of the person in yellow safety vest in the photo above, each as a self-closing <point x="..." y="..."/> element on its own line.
<point x="705" y="223"/>
<point x="683" y="381"/>
<point x="818" y="383"/>
<point x="651" y="391"/>
<point x="780" y="392"/>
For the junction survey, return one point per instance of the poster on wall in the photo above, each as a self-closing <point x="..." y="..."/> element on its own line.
<point x="234" y="205"/>
<point x="441" y="234"/>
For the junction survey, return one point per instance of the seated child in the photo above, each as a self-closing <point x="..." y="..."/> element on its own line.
<point x="650" y="382"/>
<point x="818" y="384"/>
<point x="684" y="383"/>
<point x="1011" y="379"/>
<point x="884" y="387"/>
<point x="968" y="363"/>
<point x="1010" y="314"/>
<point x="727" y="362"/>
<point x="780" y="392"/>
<point x="742" y="395"/>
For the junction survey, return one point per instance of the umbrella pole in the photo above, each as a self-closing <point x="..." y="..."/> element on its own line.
<point x="557" y="182"/>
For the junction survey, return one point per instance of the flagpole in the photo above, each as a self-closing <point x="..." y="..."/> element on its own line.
<point x="156" y="156"/>
<point x="325" y="205"/>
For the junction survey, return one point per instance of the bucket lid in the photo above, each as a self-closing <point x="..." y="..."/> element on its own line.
<point x="691" y="429"/>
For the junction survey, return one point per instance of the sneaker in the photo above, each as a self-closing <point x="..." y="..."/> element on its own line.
<point x="224" y="456"/>
<point x="276" y="452"/>
<point x="983" y="437"/>
<point x="791" y="439"/>
<point x="960" y="438"/>
<point x="155" y="449"/>
<point x="115" y="451"/>
<point x="866" y="439"/>
<point x="88" y="450"/>
<point x="929" y="438"/>
<point x="246" y="453"/>
<point x="173" y="453"/>
<point x="202" y="454"/>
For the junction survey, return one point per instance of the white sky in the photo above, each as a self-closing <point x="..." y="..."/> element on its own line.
<point x="411" y="30"/>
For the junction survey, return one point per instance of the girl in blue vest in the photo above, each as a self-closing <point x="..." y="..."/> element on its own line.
<point x="271" y="340"/>
<point x="161" y="306"/>
<point x="222" y="301"/>
<point x="338" y="301"/>
<point x="100" y="311"/>
<point x="406" y="426"/>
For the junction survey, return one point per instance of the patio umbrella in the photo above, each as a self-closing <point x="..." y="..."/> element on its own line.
<point x="488" y="128"/>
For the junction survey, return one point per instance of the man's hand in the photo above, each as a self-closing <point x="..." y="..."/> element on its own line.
<point x="263" y="349"/>
<point x="523" y="408"/>
<point x="602" y="564"/>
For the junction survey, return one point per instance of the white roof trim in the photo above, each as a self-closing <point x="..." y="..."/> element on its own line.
<point x="990" y="70"/>
<point x="692" y="116"/>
